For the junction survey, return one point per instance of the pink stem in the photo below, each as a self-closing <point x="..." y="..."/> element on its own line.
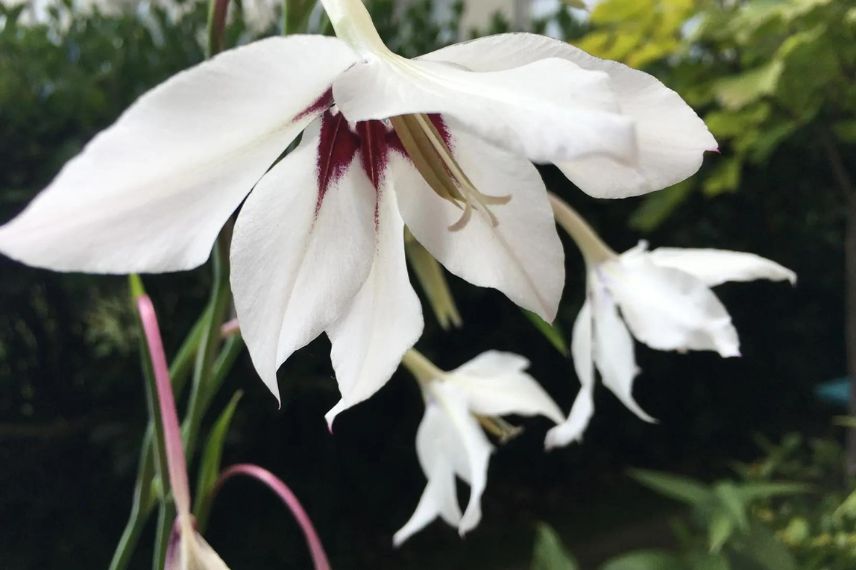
<point x="319" y="557"/>
<point x="176" y="462"/>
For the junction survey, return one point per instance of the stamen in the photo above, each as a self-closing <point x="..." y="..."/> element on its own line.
<point x="435" y="162"/>
<point x="499" y="428"/>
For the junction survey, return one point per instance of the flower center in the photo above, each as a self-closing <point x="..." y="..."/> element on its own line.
<point x="426" y="140"/>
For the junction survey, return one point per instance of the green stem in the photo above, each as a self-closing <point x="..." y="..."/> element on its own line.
<point x="141" y="507"/>
<point x="295" y="16"/>
<point x="232" y="348"/>
<point x="218" y="306"/>
<point x="423" y="369"/>
<point x="592" y="247"/>
<point x="217" y="11"/>
<point x="166" y="518"/>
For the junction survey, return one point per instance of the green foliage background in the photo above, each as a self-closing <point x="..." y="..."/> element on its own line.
<point x="774" y="79"/>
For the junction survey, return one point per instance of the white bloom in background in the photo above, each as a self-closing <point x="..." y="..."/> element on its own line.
<point x="451" y="442"/>
<point x="318" y="243"/>
<point x="663" y="298"/>
<point x="261" y="15"/>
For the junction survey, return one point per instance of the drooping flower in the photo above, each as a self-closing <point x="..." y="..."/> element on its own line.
<point x="451" y="442"/>
<point x="442" y="144"/>
<point x="662" y="297"/>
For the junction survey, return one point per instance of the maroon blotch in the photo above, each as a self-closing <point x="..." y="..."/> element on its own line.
<point x="323" y="103"/>
<point x="337" y="146"/>
<point x="374" y="150"/>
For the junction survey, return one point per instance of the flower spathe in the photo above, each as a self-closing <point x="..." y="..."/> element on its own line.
<point x="451" y="442"/>
<point x="442" y="144"/>
<point x="662" y="297"/>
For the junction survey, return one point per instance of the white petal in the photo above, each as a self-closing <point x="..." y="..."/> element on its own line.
<point x="295" y="271"/>
<point x="548" y="110"/>
<point x="670" y="136"/>
<point x="668" y="309"/>
<point x="495" y="385"/>
<point x="151" y="192"/>
<point x="470" y="451"/>
<point x="716" y="266"/>
<point x="520" y="256"/>
<point x="492" y="363"/>
<point x="582" y="351"/>
<point x="463" y="444"/>
<point x="440" y="497"/>
<point x="614" y="352"/>
<point x="384" y="321"/>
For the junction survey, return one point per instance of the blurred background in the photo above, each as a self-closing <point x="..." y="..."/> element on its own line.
<point x="775" y="81"/>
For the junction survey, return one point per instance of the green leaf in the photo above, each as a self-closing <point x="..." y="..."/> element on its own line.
<point x="762" y="546"/>
<point x="845" y="131"/>
<point x="551" y="332"/>
<point x="753" y="491"/>
<point x="737" y="91"/>
<point x="646" y="560"/>
<point x="209" y="470"/>
<point x="732" y="503"/>
<point x="549" y="552"/>
<point x="847" y="508"/>
<point x="720" y="530"/>
<point x="709" y="561"/>
<point x="658" y="206"/>
<point x="725" y="177"/>
<point x="675" y="487"/>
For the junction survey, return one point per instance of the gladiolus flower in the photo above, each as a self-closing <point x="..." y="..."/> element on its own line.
<point x="451" y="441"/>
<point x="442" y="144"/>
<point x="663" y="297"/>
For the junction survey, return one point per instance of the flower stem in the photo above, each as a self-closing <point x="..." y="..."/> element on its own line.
<point x="176" y="461"/>
<point x="313" y="542"/>
<point x="202" y="375"/>
<point x="217" y="12"/>
<point x="140" y="508"/>
<point x="592" y="247"/>
<point x="423" y="369"/>
<point x="144" y="498"/>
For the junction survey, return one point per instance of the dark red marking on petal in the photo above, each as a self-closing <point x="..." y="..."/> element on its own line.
<point x="374" y="155"/>
<point x="374" y="150"/>
<point x="442" y="128"/>
<point x="337" y="147"/>
<point x="320" y="105"/>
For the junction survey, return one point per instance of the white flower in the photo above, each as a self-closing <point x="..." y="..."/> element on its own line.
<point x="318" y="243"/>
<point x="663" y="298"/>
<point x="451" y="442"/>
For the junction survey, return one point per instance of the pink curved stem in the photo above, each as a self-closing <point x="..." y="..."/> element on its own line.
<point x="316" y="549"/>
<point x="176" y="462"/>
